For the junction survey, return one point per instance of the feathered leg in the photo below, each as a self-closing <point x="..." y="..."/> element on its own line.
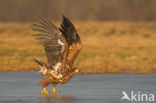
<point x="54" y="91"/>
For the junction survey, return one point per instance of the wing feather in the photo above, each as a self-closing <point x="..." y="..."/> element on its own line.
<point x="50" y="37"/>
<point x="73" y="39"/>
<point x="61" y="45"/>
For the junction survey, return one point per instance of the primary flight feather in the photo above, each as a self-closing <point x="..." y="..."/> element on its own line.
<point x="61" y="47"/>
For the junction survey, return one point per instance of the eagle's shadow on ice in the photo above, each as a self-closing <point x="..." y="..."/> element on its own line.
<point x="56" y="99"/>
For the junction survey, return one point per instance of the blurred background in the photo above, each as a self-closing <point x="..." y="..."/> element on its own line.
<point x="107" y="10"/>
<point x="118" y="36"/>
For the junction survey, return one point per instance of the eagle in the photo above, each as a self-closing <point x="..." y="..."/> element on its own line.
<point x="61" y="45"/>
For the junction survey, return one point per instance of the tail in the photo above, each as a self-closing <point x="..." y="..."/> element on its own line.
<point x="42" y="66"/>
<point x="39" y="62"/>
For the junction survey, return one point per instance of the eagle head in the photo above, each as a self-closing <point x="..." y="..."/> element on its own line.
<point x="77" y="70"/>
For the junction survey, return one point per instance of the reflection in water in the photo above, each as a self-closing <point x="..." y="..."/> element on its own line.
<point x="56" y="99"/>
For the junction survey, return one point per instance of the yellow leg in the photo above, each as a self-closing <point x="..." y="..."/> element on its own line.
<point x="54" y="91"/>
<point x="45" y="91"/>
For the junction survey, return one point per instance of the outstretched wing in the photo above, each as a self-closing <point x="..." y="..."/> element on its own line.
<point x="73" y="40"/>
<point x="53" y="41"/>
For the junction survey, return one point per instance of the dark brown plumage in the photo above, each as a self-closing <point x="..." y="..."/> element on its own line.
<point x="61" y="46"/>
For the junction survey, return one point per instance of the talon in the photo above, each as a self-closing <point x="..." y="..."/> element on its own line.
<point x="54" y="91"/>
<point x="44" y="91"/>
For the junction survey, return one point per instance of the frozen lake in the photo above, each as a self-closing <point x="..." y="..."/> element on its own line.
<point x="23" y="87"/>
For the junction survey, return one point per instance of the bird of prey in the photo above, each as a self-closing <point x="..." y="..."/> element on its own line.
<point x="61" y="47"/>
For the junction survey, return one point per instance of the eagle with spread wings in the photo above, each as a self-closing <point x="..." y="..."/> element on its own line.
<point x="61" y="47"/>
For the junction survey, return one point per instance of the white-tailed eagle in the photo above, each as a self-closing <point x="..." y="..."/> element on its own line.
<point x="61" y="47"/>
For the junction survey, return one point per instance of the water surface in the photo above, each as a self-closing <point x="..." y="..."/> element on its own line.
<point x="23" y="87"/>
